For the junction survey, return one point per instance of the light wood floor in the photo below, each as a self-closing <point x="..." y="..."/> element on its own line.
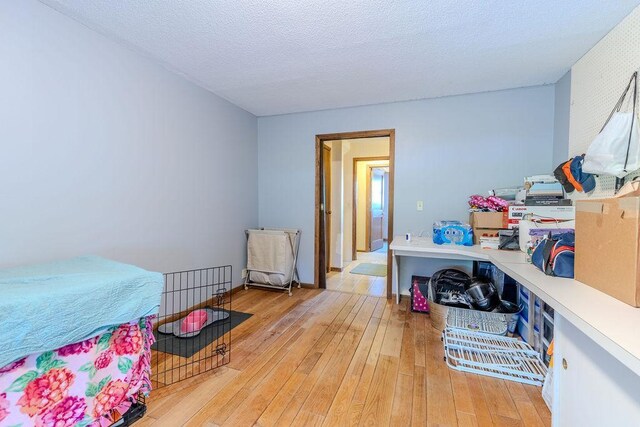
<point x="333" y="358"/>
<point x="346" y="281"/>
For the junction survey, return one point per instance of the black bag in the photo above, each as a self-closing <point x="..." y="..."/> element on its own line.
<point x="509" y="240"/>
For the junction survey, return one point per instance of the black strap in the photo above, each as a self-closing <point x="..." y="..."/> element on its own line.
<point x="634" y="78"/>
<point x="549" y="243"/>
<point x="616" y="109"/>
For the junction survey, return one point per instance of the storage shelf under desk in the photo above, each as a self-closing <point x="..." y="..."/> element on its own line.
<point x="612" y="324"/>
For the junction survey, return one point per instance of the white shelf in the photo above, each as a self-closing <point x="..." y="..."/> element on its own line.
<point x="612" y="324"/>
<point x="422" y="246"/>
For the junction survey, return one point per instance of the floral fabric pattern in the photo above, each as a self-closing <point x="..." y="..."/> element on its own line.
<point x="81" y="384"/>
<point x="45" y="391"/>
<point x="127" y="339"/>
<point x="4" y="406"/>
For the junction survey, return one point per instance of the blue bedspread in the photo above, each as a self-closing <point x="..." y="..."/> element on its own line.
<point x="47" y="306"/>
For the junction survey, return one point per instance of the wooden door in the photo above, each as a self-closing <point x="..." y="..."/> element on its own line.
<point x="326" y="160"/>
<point x="375" y="202"/>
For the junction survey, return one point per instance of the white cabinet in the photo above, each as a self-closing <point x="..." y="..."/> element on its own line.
<point x="596" y="334"/>
<point x="594" y="389"/>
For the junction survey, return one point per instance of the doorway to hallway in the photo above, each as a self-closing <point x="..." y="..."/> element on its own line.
<point x="349" y="280"/>
<point x="370" y="205"/>
<point x="354" y="211"/>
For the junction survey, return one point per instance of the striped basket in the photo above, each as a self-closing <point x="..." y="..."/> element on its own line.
<point x="438" y="315"/>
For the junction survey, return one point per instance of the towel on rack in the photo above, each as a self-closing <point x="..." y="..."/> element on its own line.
<point x="267" y="251"/>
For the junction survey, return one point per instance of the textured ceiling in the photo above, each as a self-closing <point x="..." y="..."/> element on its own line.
<point x="284" y="56"/>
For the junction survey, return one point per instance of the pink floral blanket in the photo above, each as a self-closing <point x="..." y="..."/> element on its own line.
<point x="90" y="383"/>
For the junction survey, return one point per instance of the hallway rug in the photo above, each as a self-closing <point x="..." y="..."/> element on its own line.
<point x="369" y="269"/>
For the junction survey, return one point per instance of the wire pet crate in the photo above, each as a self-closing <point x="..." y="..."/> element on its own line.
<point x="189" y="346"/>
<point x="134" y="414"/>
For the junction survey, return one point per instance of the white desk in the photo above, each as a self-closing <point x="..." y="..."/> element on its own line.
<point x="597" y="338"/>
<point x="612" y="324"/>
<point x="425" y="248"/>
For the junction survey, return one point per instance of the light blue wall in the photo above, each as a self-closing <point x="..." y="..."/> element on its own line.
<point x="561" y="119"/>
<point x="446" y="149"/>
<point x="105" y="152"/>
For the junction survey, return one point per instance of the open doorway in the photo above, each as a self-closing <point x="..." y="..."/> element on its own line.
<point x="378" y="208"/>
<point x="354" y="211"/>
<point x="370" y="207"/>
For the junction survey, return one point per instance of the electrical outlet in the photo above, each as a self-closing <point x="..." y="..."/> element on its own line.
<point x="420" y="205"/>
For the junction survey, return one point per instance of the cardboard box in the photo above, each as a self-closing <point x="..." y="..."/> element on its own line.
<point x="607" y="246"/>
<point x="479" y="233"/>
<point x="513" y="216"/>
<point x="490" y="242"/>
<point x="485" y="224"/>
<point x="486" y="219"/>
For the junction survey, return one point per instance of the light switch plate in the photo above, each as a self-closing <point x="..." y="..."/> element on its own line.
<point x="420" y="205"/>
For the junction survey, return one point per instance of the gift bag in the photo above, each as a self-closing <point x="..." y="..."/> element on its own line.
<point x="419" y="294"/>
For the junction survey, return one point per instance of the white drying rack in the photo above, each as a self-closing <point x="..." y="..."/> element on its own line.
<point x="293" y="237"/>
<point x="479" y="321"/>
<point x="493" y="355"/>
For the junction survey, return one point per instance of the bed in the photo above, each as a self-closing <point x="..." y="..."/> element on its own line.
<point x="75" y="341"/>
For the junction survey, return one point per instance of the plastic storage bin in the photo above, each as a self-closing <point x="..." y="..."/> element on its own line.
<point x="452" y="232"/>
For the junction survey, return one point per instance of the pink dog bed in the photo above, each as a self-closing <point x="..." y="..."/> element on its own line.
<point x="193" y="323"/>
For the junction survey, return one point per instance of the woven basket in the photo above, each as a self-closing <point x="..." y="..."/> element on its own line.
<point x="438" y="315"/>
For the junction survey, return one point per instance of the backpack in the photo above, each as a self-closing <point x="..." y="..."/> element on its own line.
<point x="555" y="255"/>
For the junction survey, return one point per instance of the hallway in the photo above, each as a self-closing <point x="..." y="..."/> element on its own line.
<point x="345" y="281"/>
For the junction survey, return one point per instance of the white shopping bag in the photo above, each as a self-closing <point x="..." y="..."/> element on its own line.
<point x="607" y="154"/>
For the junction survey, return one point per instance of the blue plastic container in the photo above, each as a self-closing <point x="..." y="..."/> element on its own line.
<point x="452" y="232"/>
